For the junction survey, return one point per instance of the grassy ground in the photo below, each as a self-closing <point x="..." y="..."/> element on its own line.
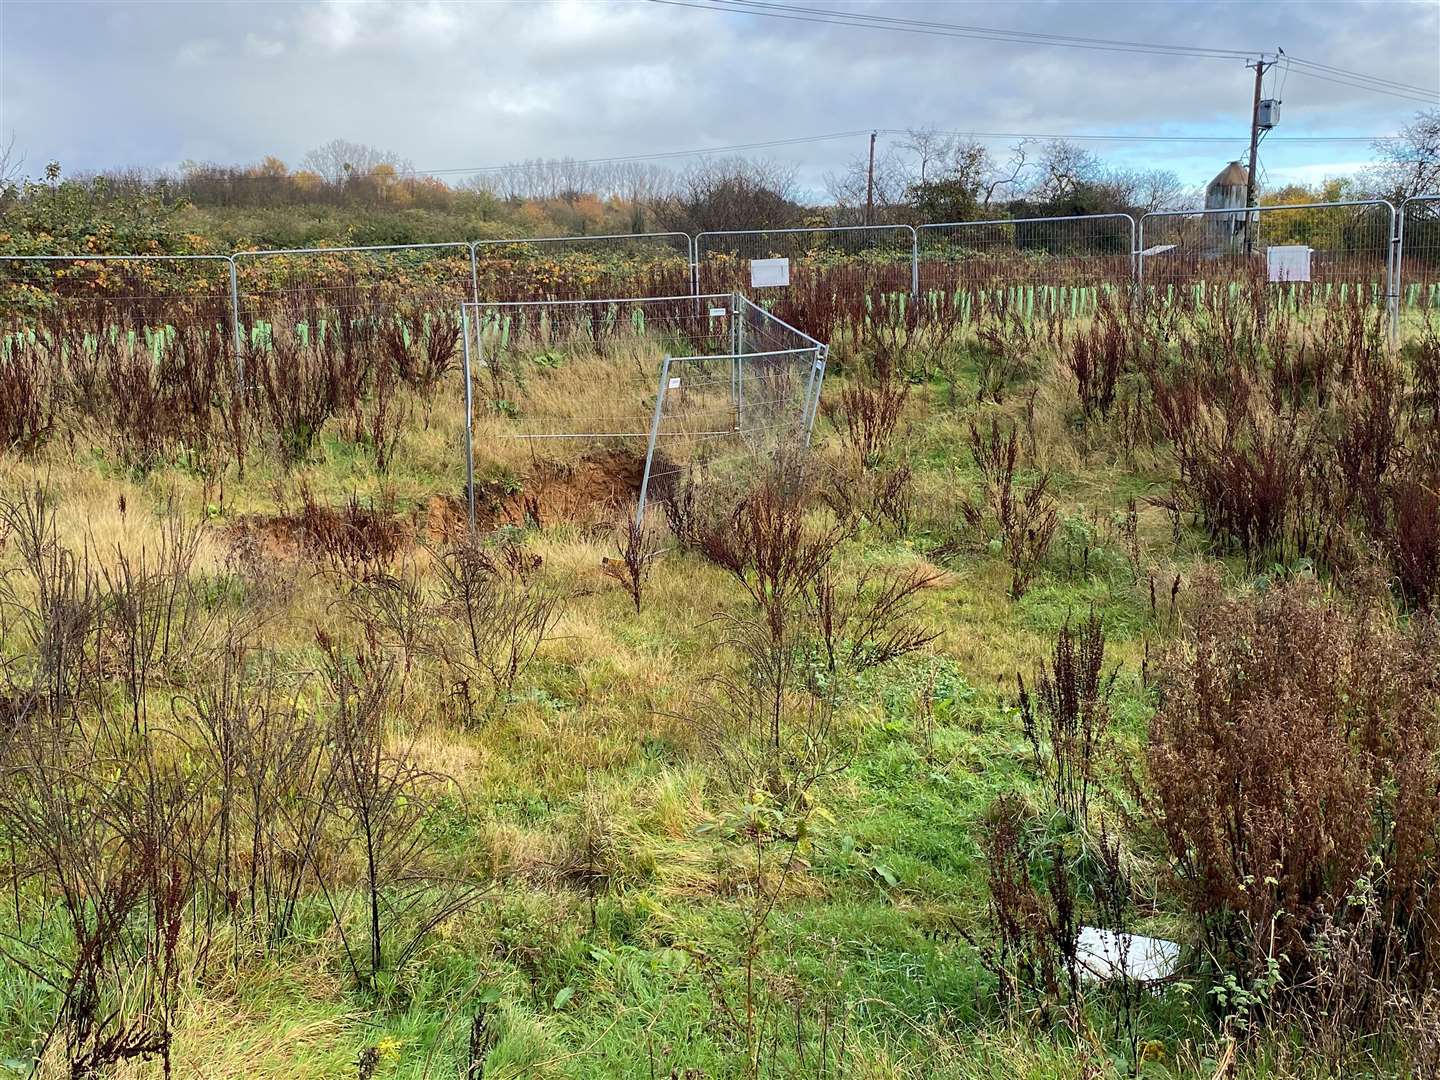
<point x="639" y="969"/>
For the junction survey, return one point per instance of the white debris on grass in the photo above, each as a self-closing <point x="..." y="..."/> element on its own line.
<point x="1103" y="954"/>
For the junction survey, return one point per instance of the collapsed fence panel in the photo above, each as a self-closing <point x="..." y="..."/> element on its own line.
<point x="778" y="264"/>
<point x="583" y="267"/>
<point x="1312" y="252"/>
<point x="1038" y="264"/>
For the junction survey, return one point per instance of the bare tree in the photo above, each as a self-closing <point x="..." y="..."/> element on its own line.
<point x="1063" y="168"/>
<point x="733" y="193"/>
<point x="340" y="160"/>
<point x="1409" y="165"/>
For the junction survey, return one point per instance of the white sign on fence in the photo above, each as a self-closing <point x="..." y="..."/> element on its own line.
<point x="769" y="273"/>
<point x="1290" y="262"/>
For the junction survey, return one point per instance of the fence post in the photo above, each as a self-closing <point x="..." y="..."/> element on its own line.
<point x="235" y="321"/>
<point x="735" y="336"/>
<point x="1140" y="261"/>
<point x="469" y="421"/>
<point x="914" y="263"/>
<point x="1392" y="276"/>
<point x="474" y="273"/>
<point x="822" y="354"/>
<point x="694" y="264"/>
<point x="650" y="450"/>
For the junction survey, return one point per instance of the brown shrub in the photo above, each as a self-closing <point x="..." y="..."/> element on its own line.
<point x="1293" y="755"/>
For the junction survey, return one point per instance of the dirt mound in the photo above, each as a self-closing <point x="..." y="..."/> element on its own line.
<point x="357" y="534"/>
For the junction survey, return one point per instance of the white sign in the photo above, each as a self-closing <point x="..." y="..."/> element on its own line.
<point x="769" y="273"/>
<point x="717" y="312"/>
<point x="1288" y="263"/>
<point x="674" y="383"/>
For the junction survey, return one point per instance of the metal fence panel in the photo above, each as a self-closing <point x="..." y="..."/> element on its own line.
<point x="143" y="296"/>
<point x="1349" y="249"/>
<point x="846" y="259"/>
<point x="1417" y="258"/>
<point x="1051" y="262"/>
<point x="314" y="285"/>
<point x="583" y="267"/>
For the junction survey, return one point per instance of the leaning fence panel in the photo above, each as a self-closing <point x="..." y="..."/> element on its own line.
<point x="1311" y="253"/>
<point x="583" y="267"/>
<point x="1040" y="264"/>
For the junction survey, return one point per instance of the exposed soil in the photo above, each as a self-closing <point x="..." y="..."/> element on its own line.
<point x="588" y="492"/>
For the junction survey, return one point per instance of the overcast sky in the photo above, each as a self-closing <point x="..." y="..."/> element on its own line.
<point x="465" y="84"/>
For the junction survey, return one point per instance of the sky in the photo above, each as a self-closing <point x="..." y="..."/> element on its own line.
<point x="460" y="85"/>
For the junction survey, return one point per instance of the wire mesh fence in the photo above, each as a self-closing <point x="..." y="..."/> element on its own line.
<point x="1417" y="259"/>
<point x="1313" y="251"/>
<point x="586" y="370"/>
<point x="822" y="278"/>
<point x="583" y="267"/>
<point x="776" y="263"/>
<point x="1046" y="263"/>
<point x="137" y="293"/>
<point x="759" y="398"/>
<point x="316" y="290"/>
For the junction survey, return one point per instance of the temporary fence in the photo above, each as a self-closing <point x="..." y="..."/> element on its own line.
<point x="1314" y="250"/>
<point x="1417" y="254"/>
<point x="1063" y="262"/>
<point x="845" y="259"/>
<point x="583" y="267"/>
<point x="586" y="369"/>
<point x="141" y="296"/>
<point x="309" y="288"/>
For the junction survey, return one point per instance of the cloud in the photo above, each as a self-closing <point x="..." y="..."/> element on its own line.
<point x="450" y="85"/>
<point x="263" y="48"/>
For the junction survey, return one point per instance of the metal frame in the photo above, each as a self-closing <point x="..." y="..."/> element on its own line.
<point x="1257" y="211"/>
<point x="1132" y="254"/>
<point x="1400" y="251"/>
<point x="914" y="246"/>
<point x="230" y="259"/>
<point x="476" y="245"/>
<point x="739" y="304"/>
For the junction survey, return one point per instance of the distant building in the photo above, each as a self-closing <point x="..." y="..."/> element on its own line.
<point x="1224" y="232"/>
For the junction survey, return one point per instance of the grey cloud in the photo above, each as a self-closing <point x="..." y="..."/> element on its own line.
<point x="457" y="84"/>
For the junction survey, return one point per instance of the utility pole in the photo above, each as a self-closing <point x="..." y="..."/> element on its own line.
<point x="870" y="184"/>
<point x="1261" y="66"/>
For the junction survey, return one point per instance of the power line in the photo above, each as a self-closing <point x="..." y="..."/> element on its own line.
<point x="1306" y="73"/>
<point x="987" y="32"/>
<point x="1422" y="90"/>
<point x="931" y="29"/>
<point x="860" y="20"/>
<point x="1150" y="138"/>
